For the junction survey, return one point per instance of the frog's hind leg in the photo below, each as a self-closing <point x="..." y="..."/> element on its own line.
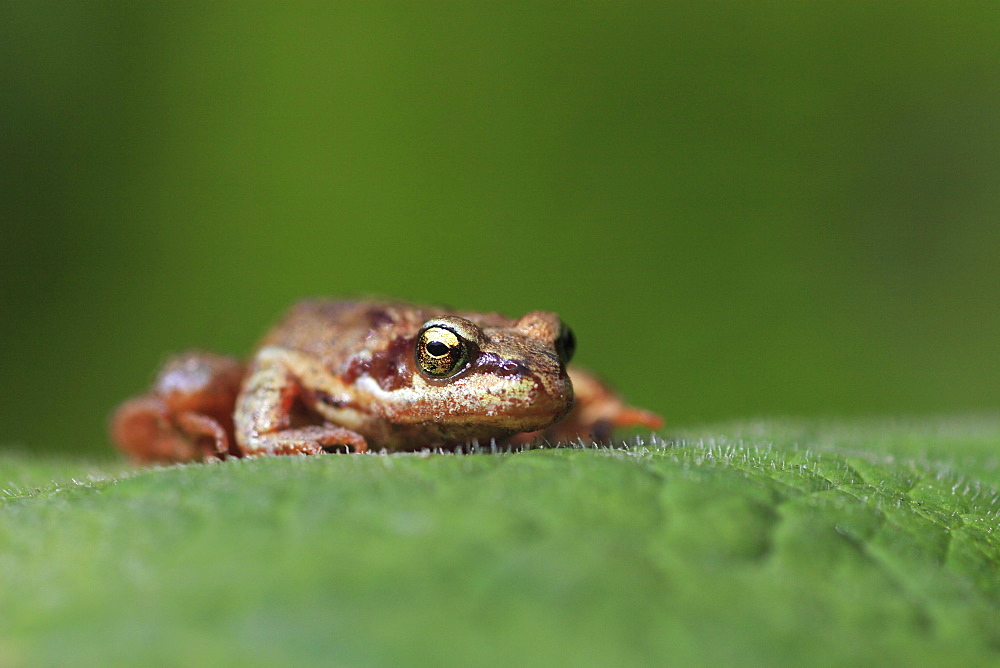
<point x="269" y="402"/>
<point x="146" y="430"/>
<point x="186" y="415"/>
<point x="597" y="411"/>
<point x="212" y="438"/>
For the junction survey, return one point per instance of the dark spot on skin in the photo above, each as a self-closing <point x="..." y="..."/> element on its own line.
<point x="300" y="414"/>
<point x="358" y="366"/>
<point x="331" y="400"/>
<point x="378" y="317"/>
<point x="389" y="367"/>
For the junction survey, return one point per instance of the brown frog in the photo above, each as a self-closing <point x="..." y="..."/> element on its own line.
<point x="360" y="375"/>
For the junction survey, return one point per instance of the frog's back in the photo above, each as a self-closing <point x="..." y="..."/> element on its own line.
<point x="335" y="331"/>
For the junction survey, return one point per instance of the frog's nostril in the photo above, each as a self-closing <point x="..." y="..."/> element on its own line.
<point x="511" y="368"/>
<point x="499" y="366"/>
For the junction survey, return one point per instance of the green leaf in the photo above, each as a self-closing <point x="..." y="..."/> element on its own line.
<point x="763" y="543"/>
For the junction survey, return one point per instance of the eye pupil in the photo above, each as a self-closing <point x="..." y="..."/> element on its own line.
<point x="437" y="348"/>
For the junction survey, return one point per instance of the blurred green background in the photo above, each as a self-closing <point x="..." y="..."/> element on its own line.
<point x="741" y="208"/>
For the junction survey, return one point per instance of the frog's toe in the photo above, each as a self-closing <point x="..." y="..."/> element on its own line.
<point x="314" y="440"/>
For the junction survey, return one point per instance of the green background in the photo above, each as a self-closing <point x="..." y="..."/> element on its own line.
<point x="741" y="208"/>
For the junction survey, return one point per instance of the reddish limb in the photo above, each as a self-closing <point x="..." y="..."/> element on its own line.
<point x="146" y="431"/>
<point x="187" y="414"/>
<point x="597" y="411"/>
<point x="206" y="431"/>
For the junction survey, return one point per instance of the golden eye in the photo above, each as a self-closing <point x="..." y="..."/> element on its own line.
<point x="565" y="344"/>
<point x="440" y="352"/>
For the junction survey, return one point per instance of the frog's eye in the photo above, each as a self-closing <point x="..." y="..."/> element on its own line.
<point x="565" y="344"/>
<point x="440" y="352"/>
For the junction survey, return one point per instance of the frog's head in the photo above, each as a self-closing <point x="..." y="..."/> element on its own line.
<point x="493" y="379"/>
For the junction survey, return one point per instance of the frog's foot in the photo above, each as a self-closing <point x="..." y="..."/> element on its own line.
<point x="146" y="430"/>
<point x="314" y="440"/>
<point x="211" y="437"/>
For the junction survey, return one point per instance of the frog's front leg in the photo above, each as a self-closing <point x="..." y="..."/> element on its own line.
<point x="276" y="387"/>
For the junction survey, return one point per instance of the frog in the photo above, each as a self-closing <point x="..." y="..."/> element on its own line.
<point x="375" y="375"/>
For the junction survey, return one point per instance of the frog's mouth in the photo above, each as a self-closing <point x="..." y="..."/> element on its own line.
<point x="523" y="405"/>
<point x="520" y="401"/>
<point x="483" y="427"/>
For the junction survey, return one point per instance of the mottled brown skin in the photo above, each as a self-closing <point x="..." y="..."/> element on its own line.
<point x="335" y="375"/>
